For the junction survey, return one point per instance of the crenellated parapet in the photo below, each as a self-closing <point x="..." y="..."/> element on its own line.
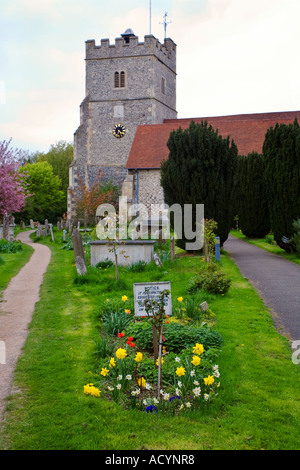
<point x="131" y="47"/>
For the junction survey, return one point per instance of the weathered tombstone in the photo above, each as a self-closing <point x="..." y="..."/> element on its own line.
<point x="22" y="224"/>
<point x="217" y="249"/>
<point x="78" y="252"/>
<point x="172" y="249"/>
<point x="64" y="235"/>
<point x="39" y="231"/>
<point x="204" y="306"/>
<point x="31" y="223"/>
<point x="46" y="224"/>
<point x="58" y="225"/>
<point x="157" y="259"/>
<point x="51" y="232"/>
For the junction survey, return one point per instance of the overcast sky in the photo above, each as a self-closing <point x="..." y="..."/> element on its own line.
<point x="233" y="57"/>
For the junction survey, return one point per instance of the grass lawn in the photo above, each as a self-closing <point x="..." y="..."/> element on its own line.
<point x="13" y="262"/>
<point x="258" y="406"/>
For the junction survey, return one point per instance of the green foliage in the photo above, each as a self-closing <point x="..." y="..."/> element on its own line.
<point x="251" y="196"/>
<point x="104" y="347"/>
<point x="10" y="246"/>
<point x="295" y="240"/>
<point x="45" y="202"/>
<point x="281" y="151"/>
<point x="116" y="322"/>
<point x="177" y="336"/>
<point x="200" y="170"/>
<point x="210" y="278"/>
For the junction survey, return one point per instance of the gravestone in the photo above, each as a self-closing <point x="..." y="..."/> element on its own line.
<point x="79" y="253"/>
<point x="172" y="249"/>
<point x="31" y="223"/>
<point x="51" y="232"/>
<point x="46" y="224"/>
<point x="64" y="235"/>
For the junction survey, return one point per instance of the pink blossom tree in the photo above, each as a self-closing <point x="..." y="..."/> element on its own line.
<point x="13" y="192"/>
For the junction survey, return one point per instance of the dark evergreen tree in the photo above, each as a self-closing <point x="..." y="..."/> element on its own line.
<point x="281" y="151"/>
<point x="200" y="170"/>
<point x="250" y="195"/>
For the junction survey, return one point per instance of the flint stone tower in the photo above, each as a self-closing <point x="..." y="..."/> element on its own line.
<point x="127" y="84"/>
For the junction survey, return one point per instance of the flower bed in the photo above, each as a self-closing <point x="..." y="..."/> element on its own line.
<point x="189" y="378"/>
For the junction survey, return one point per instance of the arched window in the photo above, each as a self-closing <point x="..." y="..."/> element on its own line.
<point x="122" y="79"/>
<point x="119" y="79"/>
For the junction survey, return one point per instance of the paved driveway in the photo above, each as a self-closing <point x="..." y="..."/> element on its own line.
<point x="276" y="280"/>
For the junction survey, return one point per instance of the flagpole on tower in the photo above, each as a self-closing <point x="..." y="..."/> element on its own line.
<point x="150" y="14"/>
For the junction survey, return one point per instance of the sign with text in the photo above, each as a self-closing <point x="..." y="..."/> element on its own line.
<point x="151" y="290"/>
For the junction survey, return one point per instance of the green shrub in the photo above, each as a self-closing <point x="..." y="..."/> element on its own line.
<point x="177" y="336"/>
<point x="104" y="264"/>
<point x="2" y="260"/>
<point x="137" y="267"/>
<point x="210" y="278"/>
<point x="10" y="246"/>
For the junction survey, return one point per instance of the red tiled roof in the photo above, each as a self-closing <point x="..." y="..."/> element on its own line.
<point x="248" y="131"/>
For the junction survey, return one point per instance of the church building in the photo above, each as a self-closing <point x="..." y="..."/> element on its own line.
<point x="129" y="111"/>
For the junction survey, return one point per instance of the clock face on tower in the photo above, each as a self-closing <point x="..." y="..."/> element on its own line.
<point x="119" y="131"/>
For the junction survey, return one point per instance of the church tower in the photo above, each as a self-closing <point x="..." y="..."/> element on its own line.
<point x="127" y="84"/>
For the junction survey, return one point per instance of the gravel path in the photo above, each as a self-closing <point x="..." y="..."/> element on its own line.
<point x="277" y="281"/>
<point x="16" y="309"/>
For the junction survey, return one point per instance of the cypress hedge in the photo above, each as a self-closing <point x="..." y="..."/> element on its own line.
<point x="251" y="196"/>
<point x="200" y="170"/>
<point x="281" y="151"/>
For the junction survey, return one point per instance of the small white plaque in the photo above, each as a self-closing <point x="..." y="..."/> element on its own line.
<point x="154" y="289"/>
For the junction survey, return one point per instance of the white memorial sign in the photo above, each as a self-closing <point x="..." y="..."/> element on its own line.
<point x="151" y="290"/>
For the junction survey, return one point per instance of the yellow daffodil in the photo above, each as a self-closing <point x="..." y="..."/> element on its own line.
<point x="121" y="353"/>
<point x="127" y="310"/>
<point x="104" y="371"/>
<point x="198" y="349"/>
<point x="209" y="380"/>
<point x="138" y="357"/>
<point x="142" y="382"/>
<point x="112" y="362"/>
<point x="180" y="299"/>
<point x="180" y="371"/>
<point x="124" y="298"/>
<point x="161" y="361"/>
<point x="89" y="389"/>
<point x="196" y="360"/>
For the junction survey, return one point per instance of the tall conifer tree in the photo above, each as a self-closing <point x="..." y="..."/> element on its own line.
<point x="281" y="151"/>
<point x="200" y="170"/>
<point x="250" y="195"/>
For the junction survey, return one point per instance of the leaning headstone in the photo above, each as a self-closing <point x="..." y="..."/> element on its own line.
<point x="78" y="252"/>
<point x="64" y="235"/>
<point x="204" y="306"/>
<point x="31" y="223"/>
<point x="22" y="224"/>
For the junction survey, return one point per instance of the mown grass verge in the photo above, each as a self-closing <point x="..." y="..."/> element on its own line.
<point x="258" y="406"/>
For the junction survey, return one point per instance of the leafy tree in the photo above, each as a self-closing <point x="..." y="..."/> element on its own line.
<point x="251" y="196"/>
<point x="87" y="199"/>
<point x="60" y="157"/>
<point x="13" y="193"/>
<point x="281" y="151"/>
<point x="200" y="170"/>
<point x="46" y="200"/>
